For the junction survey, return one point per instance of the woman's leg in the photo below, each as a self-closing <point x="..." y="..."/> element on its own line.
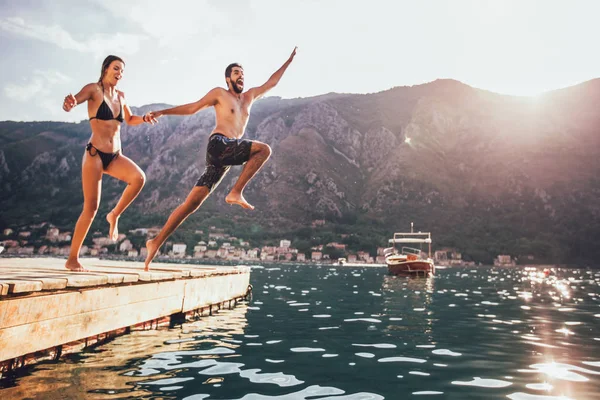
<point x="126" y="170"/>
<point x="91" y="180"/>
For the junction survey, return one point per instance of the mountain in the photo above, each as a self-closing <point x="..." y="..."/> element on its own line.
<point x="486" y="173"/>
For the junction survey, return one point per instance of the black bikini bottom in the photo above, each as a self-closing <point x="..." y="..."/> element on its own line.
<point x="106" y="158"/>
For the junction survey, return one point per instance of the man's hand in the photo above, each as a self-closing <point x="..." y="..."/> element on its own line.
<point x="69" y="103"/>
<point x="293" y="53"/>
<point x="151" y="117"/>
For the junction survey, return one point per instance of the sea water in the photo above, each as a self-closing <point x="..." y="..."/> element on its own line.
<point x="351" y="333"/>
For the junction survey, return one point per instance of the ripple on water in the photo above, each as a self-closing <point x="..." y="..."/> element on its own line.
<point x="402" y="359"/>
<point x="446" y="352"/>
<point x="306" y="349"/>
<point x="562" y="371"/>
<point x="175" y="341"/>
<point x="376" y="345"/>
<point x="427" y="392"/>
<point x="168" y="381"/>
<point x="540" y="386"/>
<point x="527" y="396"/>
<point x="212" y="352"/>
<point x="487" y="383"/>
<point x="365" y="355"/>
<point x="592" y="363"/>
<point x="222" y="368"/>
<point x="306" y="393"/>
<point x="197" y="397"/>
<point x="373" y="320"/>
<point x="279" y="378"/>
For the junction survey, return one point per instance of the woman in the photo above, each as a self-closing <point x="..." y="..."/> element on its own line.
<point x="106" y="109"/>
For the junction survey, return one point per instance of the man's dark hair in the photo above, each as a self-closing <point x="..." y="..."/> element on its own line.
<point x="230" y="67"/>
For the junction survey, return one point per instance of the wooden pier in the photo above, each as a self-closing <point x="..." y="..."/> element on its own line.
<point x="45" y="309"/>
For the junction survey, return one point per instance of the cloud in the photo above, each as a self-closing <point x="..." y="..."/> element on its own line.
<point x="182" y="19"/>
<point x="98" y="44"/>
<point x="40" y="84"/>
<point x="24" y="92"/>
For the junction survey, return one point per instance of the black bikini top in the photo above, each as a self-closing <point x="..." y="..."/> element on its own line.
<point x="104" y="112"/>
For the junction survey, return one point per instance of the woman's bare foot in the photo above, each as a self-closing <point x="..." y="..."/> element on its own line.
<point x="113" y="231"/>
<point x="238" y="198"/>
<point x="152" y="249"/>
<point x="75" y="266"/>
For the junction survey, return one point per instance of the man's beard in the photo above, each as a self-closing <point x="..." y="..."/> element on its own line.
<point x="236" y="88"/>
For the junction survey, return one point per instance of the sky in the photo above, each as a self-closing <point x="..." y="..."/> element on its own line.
<point x="175" y="51"/>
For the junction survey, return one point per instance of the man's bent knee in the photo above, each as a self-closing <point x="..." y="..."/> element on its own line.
<point x="263" y="149"/>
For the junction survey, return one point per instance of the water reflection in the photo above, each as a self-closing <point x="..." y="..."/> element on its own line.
<point x="119" y="369"/>
<point x="407" y="304"/>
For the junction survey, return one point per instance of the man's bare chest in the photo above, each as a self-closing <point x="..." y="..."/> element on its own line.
<point x="235" y="109"/>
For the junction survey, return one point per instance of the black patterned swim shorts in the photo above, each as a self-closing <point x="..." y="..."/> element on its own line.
<point x="221" y="153"/>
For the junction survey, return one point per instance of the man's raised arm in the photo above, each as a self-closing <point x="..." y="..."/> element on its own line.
<point x="259" y="91"/>
<point x="210" y="99"/>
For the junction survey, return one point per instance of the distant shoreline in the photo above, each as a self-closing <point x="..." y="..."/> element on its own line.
<point x="226" y="263"/>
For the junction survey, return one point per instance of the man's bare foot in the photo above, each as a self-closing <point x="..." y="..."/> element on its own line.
<point x="75" y="266"/>
<point x="238" y="198"/>
<point x="152" y="249"/>
<point x="113" y="231"/>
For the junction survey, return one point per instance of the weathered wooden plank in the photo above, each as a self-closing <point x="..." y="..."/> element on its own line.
<point x="186" y="270"/>
<point x="84" y="279"/>
<point x="112" y="277"/>
<point x="49" y="268"/>
<point x="143" y="276"/>
<point x="3" y="289"/>
<point x="170" y="271"/>
<point x="117" y="277"/>
<point x="56" y="266"/>
<point x="48" y="281"/>
<point x="21" y="286"/>
<point x="19" y="311"/>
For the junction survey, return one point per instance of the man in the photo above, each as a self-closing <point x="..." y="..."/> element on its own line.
<point x="225" y="146"/>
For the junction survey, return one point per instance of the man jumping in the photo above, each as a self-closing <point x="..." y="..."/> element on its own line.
<point x="225" y="146"/>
